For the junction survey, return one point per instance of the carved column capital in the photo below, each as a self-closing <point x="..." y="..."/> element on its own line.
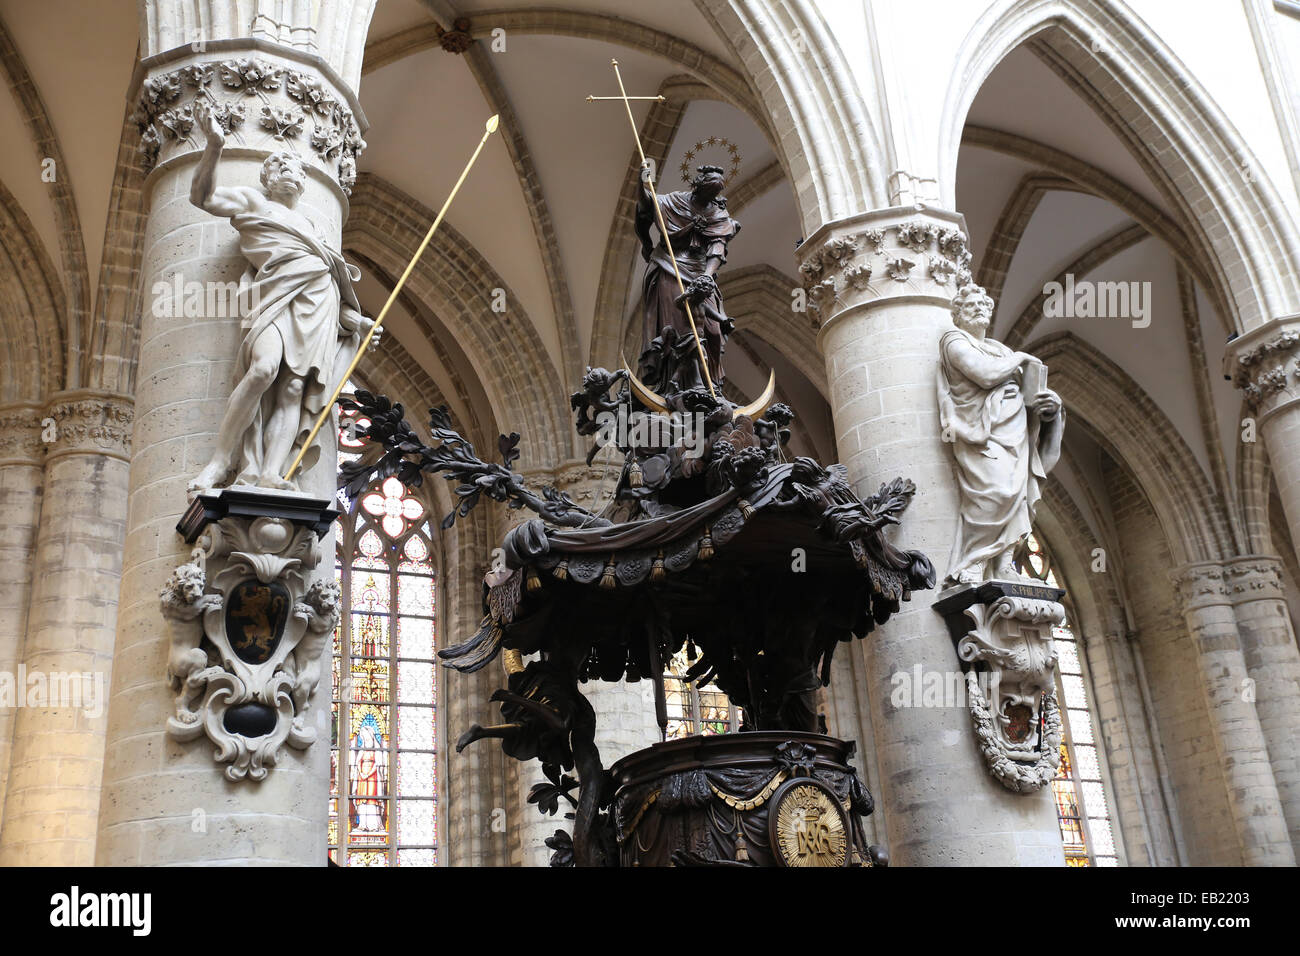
<point x="898" y="252"/>
<point x="1202" y="584"/>
<point x="267" y="98"/>
<point x="1255" y="577"/>
<point x="20" y="434"/>
<point x="1263" y="364"/>
<point x="88" y="422"/>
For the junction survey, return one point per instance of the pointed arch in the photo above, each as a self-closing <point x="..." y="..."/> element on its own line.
<point x="31" y="304"/>
<point x="1173" y="127"/>
<point x="1133" y="430"/>
<point x="827" y="143"/>
<point x="523" y="386"/>
<point x="72" y="245"/>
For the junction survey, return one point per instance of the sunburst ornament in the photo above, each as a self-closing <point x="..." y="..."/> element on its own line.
<point x="728" y="156"/>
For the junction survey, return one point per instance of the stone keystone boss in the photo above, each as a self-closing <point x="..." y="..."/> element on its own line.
<point x="298" y="306"/>
<point x="1004" y="443"/>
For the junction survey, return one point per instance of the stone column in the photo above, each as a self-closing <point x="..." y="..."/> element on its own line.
<point x="1272" y="659"/>
<point x="167" y="802"/>
<point x="475" y="790"/>
<point x="1204" y="594"/>
<point x="21" y="453"/>
<point x="52" y="799"/>
<point x="881" y="283"/>
<point x="625" y="713"/>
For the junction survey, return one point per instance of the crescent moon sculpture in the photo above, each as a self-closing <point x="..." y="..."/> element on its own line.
<point x="656" y="402"/>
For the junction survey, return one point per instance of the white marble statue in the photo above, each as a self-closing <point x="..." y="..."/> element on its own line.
<point x="300" y="315"/>
<point x="1004" y="441"/>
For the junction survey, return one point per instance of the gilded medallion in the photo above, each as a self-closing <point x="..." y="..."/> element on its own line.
<point x="807" y="825"/>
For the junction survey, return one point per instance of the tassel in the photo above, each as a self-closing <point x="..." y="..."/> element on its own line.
<point x="657" y="572"/>
<point x="634" y="474"/>
<point x="746" y="509"/>
<point x="706" y="544"/>
<point x="561" y="571"/>
<point x="607" y="579"/>
<point x="534" y="582"/>
<point x="742" y="849"/>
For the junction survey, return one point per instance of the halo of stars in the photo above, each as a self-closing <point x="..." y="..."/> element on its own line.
<point x="719" y="141"/>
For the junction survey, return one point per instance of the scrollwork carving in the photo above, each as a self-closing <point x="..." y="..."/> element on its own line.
<point x="246" y="652"/>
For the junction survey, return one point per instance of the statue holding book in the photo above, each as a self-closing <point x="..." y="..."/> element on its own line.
<point x="1005" y="427"/>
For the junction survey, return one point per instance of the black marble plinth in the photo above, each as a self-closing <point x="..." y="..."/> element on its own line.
<point x="303" y="510"/>
<point x="952" y="603"/>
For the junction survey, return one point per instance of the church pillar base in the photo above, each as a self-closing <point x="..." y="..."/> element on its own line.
<point x="1252" y="792"/>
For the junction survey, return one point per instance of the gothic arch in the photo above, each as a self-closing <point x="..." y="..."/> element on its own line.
<point x="456" y="395"/>
<point x="1134" y="431"/>
<point x="523" y="386"/>
<point x="1097" y="182"/>
<point x="1187" y="144"/>
<point x="72" y="247"/>
<point x="31" y="304"/>
<point x="828" y="144"/>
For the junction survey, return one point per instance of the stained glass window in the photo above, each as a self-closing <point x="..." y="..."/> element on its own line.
<point x="384" y="780"/>
<point x="694" y="708"/>
<point x="1082" y="806"/>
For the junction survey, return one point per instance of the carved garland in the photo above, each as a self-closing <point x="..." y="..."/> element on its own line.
<point x="335" y="136"/>
<point x="948" y="260"/>
<point x="1020" y="777"/>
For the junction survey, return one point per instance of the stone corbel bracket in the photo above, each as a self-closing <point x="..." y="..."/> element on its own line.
<point x="246" y="652"/>
<point x="1003" y="636"/>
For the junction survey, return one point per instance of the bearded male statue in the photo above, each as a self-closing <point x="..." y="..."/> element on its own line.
<point x="299" y="311"/>
<point x="1005" y="429"/>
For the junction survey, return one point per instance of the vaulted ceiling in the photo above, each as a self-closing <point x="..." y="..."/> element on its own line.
<point x="1045" y="185"/>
